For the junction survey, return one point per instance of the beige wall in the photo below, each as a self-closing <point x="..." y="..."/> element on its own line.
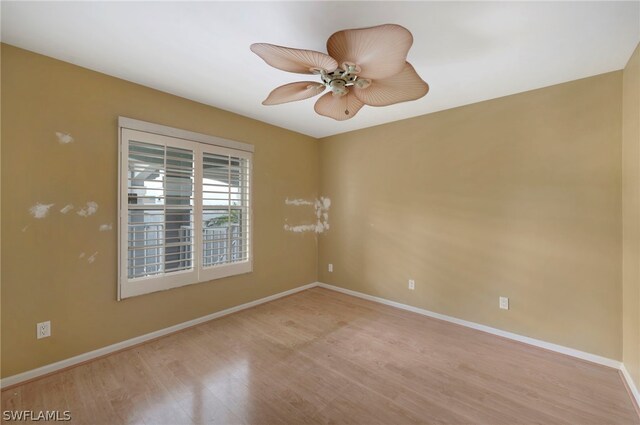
<point x="43" y="277"/>
<point x="631" y="216"/>
<point x="518" y="196"/>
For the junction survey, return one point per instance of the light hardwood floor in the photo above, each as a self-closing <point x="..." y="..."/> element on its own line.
<point x="324" y="357"/>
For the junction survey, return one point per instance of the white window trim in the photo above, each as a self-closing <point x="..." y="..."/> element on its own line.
<point x="151" y="284"/>
<point x="163" y="130"/>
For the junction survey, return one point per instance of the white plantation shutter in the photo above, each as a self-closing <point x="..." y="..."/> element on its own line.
<point x="225" y="211"/>
<point x="185" y="212"/>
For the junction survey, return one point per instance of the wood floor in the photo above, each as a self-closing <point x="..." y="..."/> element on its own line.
<point x="324" y="357"/>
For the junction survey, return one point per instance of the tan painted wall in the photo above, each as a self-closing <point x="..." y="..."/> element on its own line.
<point x="631" y="216"/>
<point x="43" y="278"/>
<point x="518" y="196"/>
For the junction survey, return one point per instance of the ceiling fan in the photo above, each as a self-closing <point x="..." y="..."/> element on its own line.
<point x="365" y="66"/>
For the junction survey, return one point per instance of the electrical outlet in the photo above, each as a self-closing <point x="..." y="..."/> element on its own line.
<point x="504" y="303"/>
<point x="412" y="284"/>
<point x="43" y="329"/>
<point x="330" y="268"/>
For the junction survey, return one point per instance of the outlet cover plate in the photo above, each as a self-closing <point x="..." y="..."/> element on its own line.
<point x="504" y="303"/>
<point x="43" y="329"/>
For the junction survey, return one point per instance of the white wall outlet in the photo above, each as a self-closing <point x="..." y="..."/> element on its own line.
<point x="412" y="284"/>
<point x="330" y="268"/>
<point x="504" y="303"/>
<point x="43" y="329"/>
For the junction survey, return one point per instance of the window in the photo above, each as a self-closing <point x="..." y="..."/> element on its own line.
<point x="185" y="208"/>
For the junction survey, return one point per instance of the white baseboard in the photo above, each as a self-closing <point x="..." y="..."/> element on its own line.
<point x="632" y="385"/>
<point x="53" y="367"/>
<point x="531" y="341"/>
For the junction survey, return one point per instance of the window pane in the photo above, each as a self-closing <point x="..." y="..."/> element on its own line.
<point x="179" y="228"/>
<point x="146" y="242"/>
<point x="146" y="174"/>
<point x="215" y="237"/>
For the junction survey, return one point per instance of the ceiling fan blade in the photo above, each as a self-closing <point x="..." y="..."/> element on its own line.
<point x="339" y="108"/>
<point x="380" y="51"/>
<point x="293" y="91"/>
<point x="294" y="60"/>
<point x="402" y="87"/>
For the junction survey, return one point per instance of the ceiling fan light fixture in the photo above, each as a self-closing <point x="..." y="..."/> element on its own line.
<point x="362" y="83"/>
<point x="351" y="67"/>
<point x="372" y="63"/>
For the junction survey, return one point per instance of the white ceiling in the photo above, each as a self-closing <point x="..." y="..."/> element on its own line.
<point x="466" y="51"/>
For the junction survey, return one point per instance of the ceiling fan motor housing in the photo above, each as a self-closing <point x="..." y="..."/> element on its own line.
<point x="338" y="80"/>
<point x="338" y="87"/>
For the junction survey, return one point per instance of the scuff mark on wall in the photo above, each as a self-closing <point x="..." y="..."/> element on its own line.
<point x="81" y="256"/>
<point x="92" y="258"/>
<point x="322" y="212"/>
<point x="304" y="228"/>
<point x="40" y="210"/>
<point x="24" y="229"/>
<point x="105" y="227"/>
<point x="90" y="209"/>
<point x="298" y="202"/>
<point x="64" y="138"/>
<point x="321" y="206"/>
<point x="301" y="228"/>
<point x="66" y="208"/>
